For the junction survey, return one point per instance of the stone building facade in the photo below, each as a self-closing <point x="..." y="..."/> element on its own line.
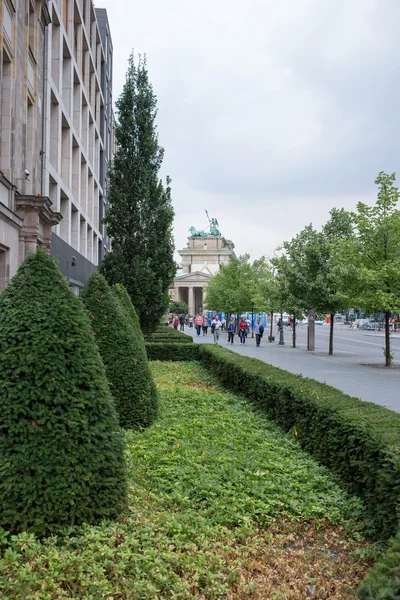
<point x="106" y="125"/>
<point x="26" y="214"/>
<point x="201" y="259"/>
<point x="53" y="112"/>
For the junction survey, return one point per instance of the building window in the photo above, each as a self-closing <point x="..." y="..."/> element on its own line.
<point x="4" y="267"/>
<point x="31" y="72"/>
<point x="76" y="289"/>
<point x="4" y="194"/>
<point x="65" y="9"/>
<point x="8" y="23"/>
<point x="32" y="30"/>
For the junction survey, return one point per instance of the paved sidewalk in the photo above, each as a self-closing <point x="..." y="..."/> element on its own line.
<point x="344" y="370"/>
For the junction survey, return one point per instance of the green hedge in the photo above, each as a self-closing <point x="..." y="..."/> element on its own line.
<point x="358" y="440"/>
<point x="170" y="332"/>
<point x="130" y="384"/>
<point x="172" y="352"/>
<point x="162" y="339"/>
<point x="144" y="381"/>
<point x="61" y="450"/>
<point x="383" y="580"/>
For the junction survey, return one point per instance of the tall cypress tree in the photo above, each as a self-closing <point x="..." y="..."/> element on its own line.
<point x="140" y="217"/>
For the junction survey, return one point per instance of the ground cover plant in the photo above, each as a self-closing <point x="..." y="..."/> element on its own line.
<point x="358" y="440"/>
<point x="222" y="505"/>
<point x="61" y="451"/>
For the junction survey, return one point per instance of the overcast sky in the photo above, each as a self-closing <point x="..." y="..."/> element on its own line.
<point x="270" y="113"/>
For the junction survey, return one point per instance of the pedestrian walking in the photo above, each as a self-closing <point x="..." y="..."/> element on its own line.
<point x="231" y="329"/>
<point x="259" y="331"/>
<point x="190" y="321"/>
<point x="223" y="323"/>
<point x="198" y="322"/>
<point x="279" y="325"/>
<point x="175" y="322"/>
<point x="182" y="322"/>
<point x="243" y="328"/>
<point x="216" y="326"/>
<point x="205" y="325"/>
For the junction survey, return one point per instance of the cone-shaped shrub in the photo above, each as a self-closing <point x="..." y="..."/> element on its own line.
<point x="142" y="373"/>
<point x="130" y="384"/>
<point x="61" y="450"/>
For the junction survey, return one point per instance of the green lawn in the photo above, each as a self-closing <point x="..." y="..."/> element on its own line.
<point x="222" y="505"/>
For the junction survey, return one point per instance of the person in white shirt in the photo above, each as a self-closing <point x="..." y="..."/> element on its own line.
<point x="216" y="328"/>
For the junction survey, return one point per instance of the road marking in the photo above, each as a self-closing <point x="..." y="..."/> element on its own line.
<point x="357" y="341"/>
<point x="338" y="337"/>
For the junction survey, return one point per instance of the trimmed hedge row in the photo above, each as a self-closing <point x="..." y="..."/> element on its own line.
<point x="162" y="339"/>
<point x="358" y="440"/>
<point x="172" y="351"/>
<point x="170" y="332"/>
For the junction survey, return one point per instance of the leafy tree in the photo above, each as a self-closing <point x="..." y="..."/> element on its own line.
<point x="231" y="289"/>
<point x="140" y="216"/>
<point x="178" y="308"/>
<point x="307" y="272"/>
<point x="369" y="262"/>
<point x="61" y="451"/>
<point x="130" y="384"/>
<point x="338" y="229"/>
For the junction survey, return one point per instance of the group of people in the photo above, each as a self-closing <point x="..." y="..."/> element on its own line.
<point x="201" y="324"/>
<point x="180" y="322"/>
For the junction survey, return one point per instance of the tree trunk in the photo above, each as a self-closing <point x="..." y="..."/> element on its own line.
<point x="331" y="334"/>
<point x="387" y="340"/>
<point x="294" y="332"/>
<point x="270" y="331"/>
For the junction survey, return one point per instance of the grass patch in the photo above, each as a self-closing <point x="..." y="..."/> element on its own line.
<point x="222" y="505"/>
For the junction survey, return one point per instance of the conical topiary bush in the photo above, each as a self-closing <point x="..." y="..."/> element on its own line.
<point x="115" y="337"/>
<point x="61" y="450"/>
<point x="142" y="373"/>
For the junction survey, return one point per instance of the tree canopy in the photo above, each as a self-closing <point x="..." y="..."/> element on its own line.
<point x="241" y="286"/>
<point x="369" y="262"/>
<point x="178" y="308"/>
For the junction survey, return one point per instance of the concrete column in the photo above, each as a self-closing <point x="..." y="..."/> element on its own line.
<point x="204" y="299"/>
<point x="199" y="299"/>
<point x="191" y="301"/>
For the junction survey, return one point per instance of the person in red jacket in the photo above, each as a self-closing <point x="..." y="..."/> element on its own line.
<point x="175" y="322"/>
<point x="243" y="329"/>
<point x="198" y="323"/>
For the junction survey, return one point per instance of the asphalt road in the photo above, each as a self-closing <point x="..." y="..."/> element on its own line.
<point x="355" y="368"/>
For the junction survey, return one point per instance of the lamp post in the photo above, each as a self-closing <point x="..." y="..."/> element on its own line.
<point x="281" y="338"/>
